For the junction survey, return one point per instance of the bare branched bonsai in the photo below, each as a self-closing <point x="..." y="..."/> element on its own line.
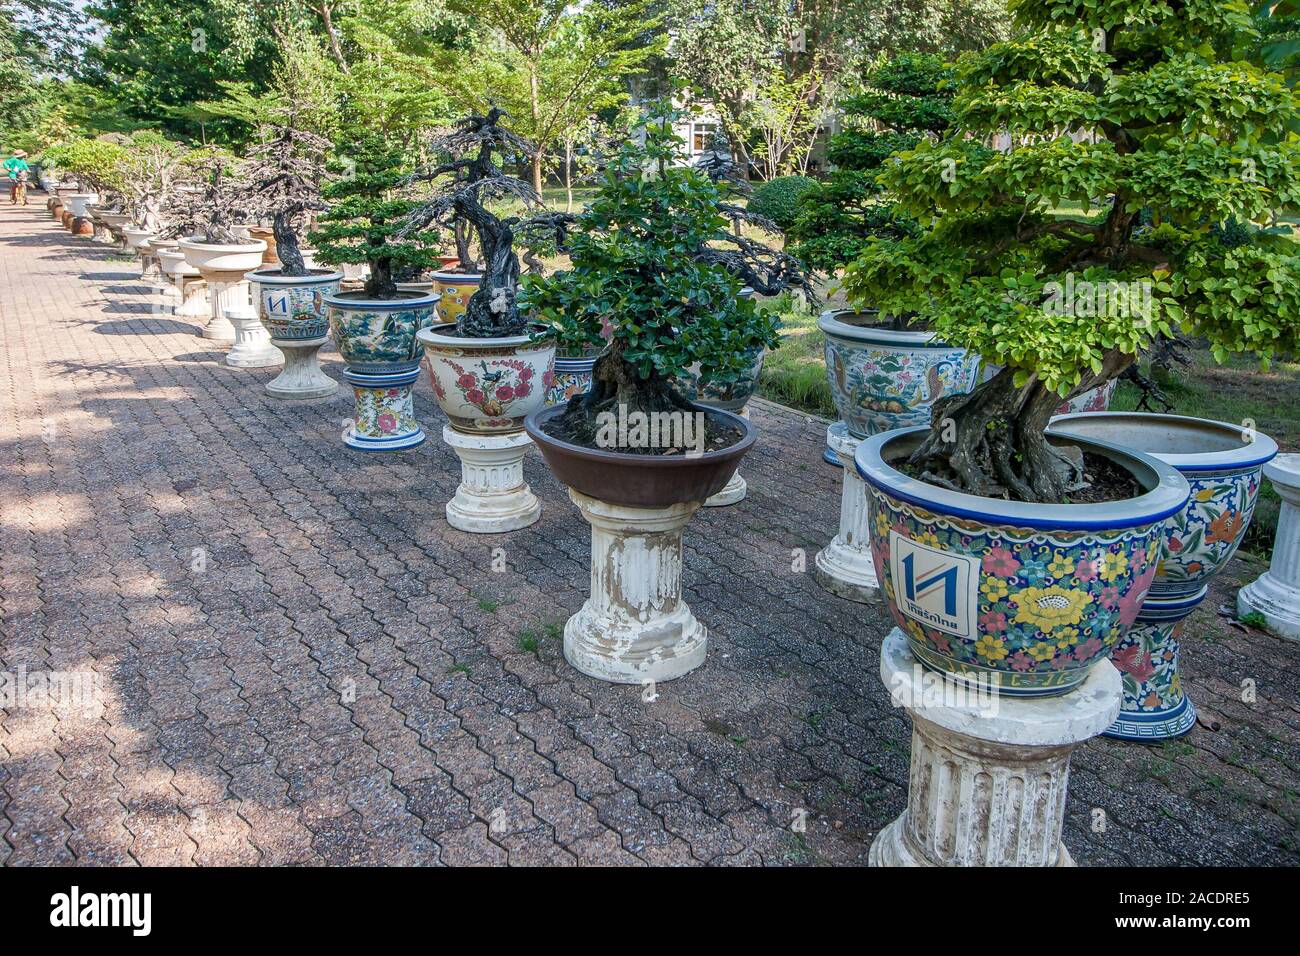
<point x="282" y="183"/>
<point x="206" y="210"/>
<point x="472" y="178"/>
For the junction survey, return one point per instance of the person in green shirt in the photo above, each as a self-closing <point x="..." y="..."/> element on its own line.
<point x="17" y="168"/>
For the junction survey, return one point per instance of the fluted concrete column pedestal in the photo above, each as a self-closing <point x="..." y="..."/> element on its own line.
<point x="1276" y="593"/>
<point x="302" y="377"/>
<point x="493" y="496"/>
<point x="988" y="773"/>
<point x="226" y="290"/>
<point x="846" y="567"/>
<point x="252" y="348"/>
<point x="635" y="627"/>
<point x="194" y="296"/>
<point x="735" y="489"/>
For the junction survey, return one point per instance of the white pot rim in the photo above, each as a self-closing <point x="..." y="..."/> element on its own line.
<point x="356" y="302"/>
<point x="431" y="336"/>
<point x="1167" y="492"/>
<point x="313" y="277"/>
<point x="1239" y="452"/>
<point x="472" y="278"/>
<point x="192" y="242"/>
<point x="831" y="324"/>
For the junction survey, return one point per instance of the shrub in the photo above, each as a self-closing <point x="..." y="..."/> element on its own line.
<point x="778" y="199"/>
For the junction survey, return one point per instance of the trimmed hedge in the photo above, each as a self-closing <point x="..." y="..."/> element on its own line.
<point x="778" y="199"/>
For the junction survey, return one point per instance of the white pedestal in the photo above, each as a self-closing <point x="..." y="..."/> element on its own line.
<point x="1276" y="593"/>
<point x="252" y="348"/>
<point x="226" y="291"/>
<point x="845" y="567"/>
<point x="302" y="377"/>
<point x="194" y="297"/>
<point x="735" y="489"/>
<point x="988" y="775"/>
<point x="493" y="496"/>
<point x="150" y="266"/>
<point x="635" y="627"/>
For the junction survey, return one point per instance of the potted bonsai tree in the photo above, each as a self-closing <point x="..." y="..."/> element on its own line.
<point x="638" y="457"/>
<point x="1046" y="543"/>
<point x="282" y="177"/>
<point x="202" y="216"/>
<point x="374" y="327"/>
<point x="492" y="366"/>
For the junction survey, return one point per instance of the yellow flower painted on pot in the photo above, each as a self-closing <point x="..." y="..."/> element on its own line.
<point x="1051" y="607"/>
<point x="993" y="589"/>
<point x="1114" y="564"/>
<point x="1060" y="566"/>
<point x="930" y="538"/>
<point x="882" y="524"/>
<point x="991" y="648"/>
<point x="1042" y="651"/>
<point x="1204" y="495"/>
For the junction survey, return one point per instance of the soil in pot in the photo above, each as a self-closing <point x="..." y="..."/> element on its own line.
<point x="1105" y="481"/>
<point x="590" y="427"/>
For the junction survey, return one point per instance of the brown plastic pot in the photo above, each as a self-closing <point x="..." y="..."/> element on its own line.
<point x="641" y="481"/>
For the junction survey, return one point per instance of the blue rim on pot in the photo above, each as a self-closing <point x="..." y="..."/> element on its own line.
<point x="346" y="302"/>
<point x="1025" y="596"/>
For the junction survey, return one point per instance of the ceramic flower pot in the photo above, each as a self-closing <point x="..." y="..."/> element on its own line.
<point x="455" y="289"/>
<point x="77" y="203"/>
<point x="135" y="238"/>
<point x="1024" y="598"/>
<point x="293" y="307"/>
<point x="223" y="257"/>
<point x="572" y="377"/>
<point x="377" y="339"/>
<point x="1222" y="464"/>
<point x="882" y="379"/>
<point x="731" y="397"/>
<point x="489" y="386"/>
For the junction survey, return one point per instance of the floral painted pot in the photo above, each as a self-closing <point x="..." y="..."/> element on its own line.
<point x="572" y="377"/>
<point x="292" y="308"/>
<point x="882" y="379"/>
<point x="377" y="339"/>
<point x="1094" y="400"/>
<point x="1222" y="464"/>
<point x="489" y="386"/>
<point x="1024" y="598"/>
<point x="455" y="289"/>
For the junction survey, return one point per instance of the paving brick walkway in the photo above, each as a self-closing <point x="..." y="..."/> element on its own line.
<point x="301" y="662"/>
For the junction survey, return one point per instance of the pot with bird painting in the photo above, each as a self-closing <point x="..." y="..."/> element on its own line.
<point x="885" y="374"/>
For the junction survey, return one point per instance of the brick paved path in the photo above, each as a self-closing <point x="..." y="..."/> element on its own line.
<point x="349" y="681"/>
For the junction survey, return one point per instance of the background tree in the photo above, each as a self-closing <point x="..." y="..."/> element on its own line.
<point x="1173" y="130"/>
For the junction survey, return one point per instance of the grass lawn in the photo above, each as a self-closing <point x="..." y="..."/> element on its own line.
<point x="1238" y="392"/>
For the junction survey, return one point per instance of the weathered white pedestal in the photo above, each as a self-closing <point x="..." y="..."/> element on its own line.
<point x="1276" y="593"/>
<point x="493" y="496"/>
<point x="635" y="627"/>
<point x="252" y="348"/>
<point x="988" y="776"/>
<point x="735" y="489"/>
<point x="302" y="377"/>
<point x="194" y="297"/>
<point x="845" y="567"/>
<point x="226" y="290"/>
<point x="150" y="265"/>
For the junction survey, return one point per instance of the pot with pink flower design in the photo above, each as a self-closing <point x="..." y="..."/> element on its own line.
<point x="1022" y="598"/>
<point x="1222" y="464"/>
<point x="377" y="339"/>
<point x="487" y="387"/>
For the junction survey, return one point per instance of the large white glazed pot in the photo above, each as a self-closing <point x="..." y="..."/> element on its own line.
<point x="77" y="203"/>
<point x="223" y="257"/>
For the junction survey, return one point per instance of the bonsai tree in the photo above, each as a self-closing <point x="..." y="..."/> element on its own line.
<point x="282" y="176"/>
<point x="903" y="101"/>
<point x="366" y="217"/>
<point x="205" y="204"/>
<point x="154" y="164"/>
<point x="471" y="178"/>
<point x="1066" y="300"/>
<point x="98" y="164"/>
<point x="656" y="270"/>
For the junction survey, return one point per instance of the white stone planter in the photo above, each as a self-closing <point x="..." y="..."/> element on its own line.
<point x="1276" y="593"/>
<point x="77" y="203"/>
<point x="988" y="775"/>
<point x="135" y="238"/>
<point x="222" y="267"/>
<point x="846" y="566"/>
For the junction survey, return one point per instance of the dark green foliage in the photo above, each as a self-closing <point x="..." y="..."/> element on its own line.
<point x="778" y="199"/>
<point x="839" y="215"/>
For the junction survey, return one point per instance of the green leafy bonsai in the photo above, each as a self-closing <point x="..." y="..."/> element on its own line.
<point x="1063" y="257"/>
<point x="656" y="270"/>
<point x="904" y="101"/>
<point x="366" y="215"/>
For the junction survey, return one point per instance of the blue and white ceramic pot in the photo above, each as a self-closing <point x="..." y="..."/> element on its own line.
<point x="572" y="377"/>
<point x="881" y="379"/>
<point x="1222" y="464"/>
<point x="489" y="386"/>
<point x="731" y="397"/>
<point x="292" y="308"/>
<point x="377" y="339"/>
<point x="1024" y="598"/>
